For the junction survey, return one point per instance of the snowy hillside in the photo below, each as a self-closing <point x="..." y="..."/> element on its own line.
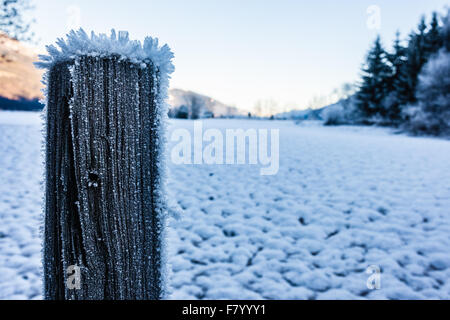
<point x="344" y="198"/>
<point x="18" y="77"/>
<point x="20" y="84"/>
<point x="181" y="98"/>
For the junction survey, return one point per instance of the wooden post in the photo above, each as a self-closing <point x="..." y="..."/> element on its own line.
<point x="104" y="205"/>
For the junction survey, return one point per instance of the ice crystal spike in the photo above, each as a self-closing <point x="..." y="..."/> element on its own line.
<point x="79" y="43"/>
<point x="123" y="37"/>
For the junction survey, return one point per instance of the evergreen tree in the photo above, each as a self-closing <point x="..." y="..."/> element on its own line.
<point x="433" y="38"/>
<point x="398" y="89"/>
<point x="445" y="31"/>
<point x="416" y="58"/>
<point x="421" y="43"/>
<point x="375" y="79"/>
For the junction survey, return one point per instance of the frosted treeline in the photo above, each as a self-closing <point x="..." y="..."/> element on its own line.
<point x="406" y="87"/>
<point x="432" y="111"/>
<point x="106" y="200"/>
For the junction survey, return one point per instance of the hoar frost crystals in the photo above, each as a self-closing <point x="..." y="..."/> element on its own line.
<point x="105" y="197"/>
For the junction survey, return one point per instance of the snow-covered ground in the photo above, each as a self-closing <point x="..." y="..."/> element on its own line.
<point x="344" y="198"/>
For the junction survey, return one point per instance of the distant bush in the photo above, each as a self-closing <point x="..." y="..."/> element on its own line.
<point x="343" y="112"/>
<point x="334" y="115"/>
<point x="193" y="108"/>
<point x="180" y="113"/>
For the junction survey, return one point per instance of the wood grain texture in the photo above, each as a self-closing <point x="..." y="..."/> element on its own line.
<point x="102" y="178"/>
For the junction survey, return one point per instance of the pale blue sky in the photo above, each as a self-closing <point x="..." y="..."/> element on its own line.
<point x="240" y="51"/>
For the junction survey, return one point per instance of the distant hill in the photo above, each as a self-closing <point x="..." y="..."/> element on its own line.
<point x="20" y="104"/>
<point x="192" y="105"/>
<point x="20" y="86"/>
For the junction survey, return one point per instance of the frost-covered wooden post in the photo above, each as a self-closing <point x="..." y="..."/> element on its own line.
<point x="105" y="202"/>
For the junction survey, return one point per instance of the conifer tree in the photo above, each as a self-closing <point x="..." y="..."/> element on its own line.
<point x="433" y="38"/>
<point x="398" y="82"/>
<point x="375" y="79"/>
<point x="445" y="31"/>
<point x="416" y="58"/>
<point x="421" y="43"/>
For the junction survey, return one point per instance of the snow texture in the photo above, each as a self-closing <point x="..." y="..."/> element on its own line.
<point x="345" y="198"/>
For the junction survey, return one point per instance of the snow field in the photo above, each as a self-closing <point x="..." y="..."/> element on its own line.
<point x="344" y="198"/>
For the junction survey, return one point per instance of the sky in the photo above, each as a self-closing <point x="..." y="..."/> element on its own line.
<point x="244" y="51"/>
